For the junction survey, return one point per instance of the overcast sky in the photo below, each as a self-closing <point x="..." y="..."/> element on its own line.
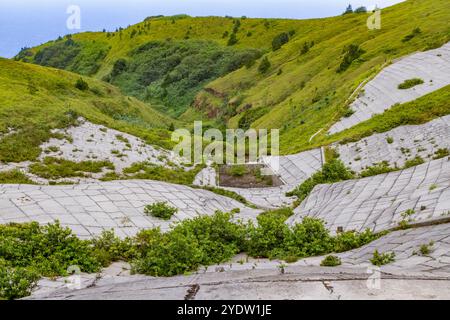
<point x="26" y="23"/>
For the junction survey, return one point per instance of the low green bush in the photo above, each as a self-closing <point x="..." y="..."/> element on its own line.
<point x="351" y="53"/>
<point x="279" y="40"/>
<point x="16" y="283"/>
<point x="380" y="259"/>
<point x="81" y="85"/>
<point x="441" y="153"/>
<point x="330" y="261"/>
<point x="264" y="65"/>
<point x="378" y="168"/>
<point x="160" y="210"/>
<point x="55" y="168"/>
<point x="29" y="251"/>
<point x="333" y="171"/>
<point x="410" y="83"/>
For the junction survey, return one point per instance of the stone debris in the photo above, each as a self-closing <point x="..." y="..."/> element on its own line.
<point x="381" y="93"/>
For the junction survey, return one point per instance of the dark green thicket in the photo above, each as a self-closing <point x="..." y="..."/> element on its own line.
<point x="173" y="72"/>
<point x="81" y="57"/>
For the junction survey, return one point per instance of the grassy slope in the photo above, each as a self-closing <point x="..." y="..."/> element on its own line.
<point x="35" y="99"/>
<point x="290" y="105"/>
<point x="308" y="95"/>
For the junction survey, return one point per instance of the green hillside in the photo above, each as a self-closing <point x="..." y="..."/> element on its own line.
<point x="301" y="85"/>
<point x="34" y="100"/>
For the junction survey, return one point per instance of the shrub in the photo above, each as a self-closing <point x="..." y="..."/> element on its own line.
<point x="306" y="47"/>
<point x="232" y="40"/>
<point x="382" y="259"/>
<point x="425" y="249"/>
<point x="441" y="153"/>
<point x="413" y="162"/>
<point x="108" y="248"/>
<point x="331" y="261"/>
<point x="200" y="241"/>
<point x="348" y="113"/>
<point x="55" y="168"/>
<point x="333" y="171"/>
<point x="226" y="193"/>
<point x="81" y="85"/>
<point x="349" y="240"/>
<point x="389" y="140"/>
<point x="414" y="33"/>
<point x="279" y="40"/>
<point x="14" y="176"/>
<point x="410" y="83"/>
<point x="160" y="210"/>
<point x="238" y="170"/>
<point x="378" y="168"/>
<point x="349" y="9"/>
<point x="29" y="251"/>
<point x="16" y="283"/>
<point x="351" y="53"/>
<point x="264" y="66"/>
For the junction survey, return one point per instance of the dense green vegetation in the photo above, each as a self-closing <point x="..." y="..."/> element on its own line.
<point x="14" y="176"/>
<point x="380" y="259"/>
<point x="29" y="251"/>
<point x="330" y="261"/>
<point x="34" y="100"/>
<point x="410" y="83"/>
<point x="55" y="168"/>
<point x="173" y="72"/>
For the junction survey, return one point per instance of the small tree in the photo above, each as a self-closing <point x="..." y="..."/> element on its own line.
<point x="349" y="9"/>
<point x="279" y="41"/>
<point x="81" y="85"/>
<point x="361" y="9"/>
<point x="264" y="66"/>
